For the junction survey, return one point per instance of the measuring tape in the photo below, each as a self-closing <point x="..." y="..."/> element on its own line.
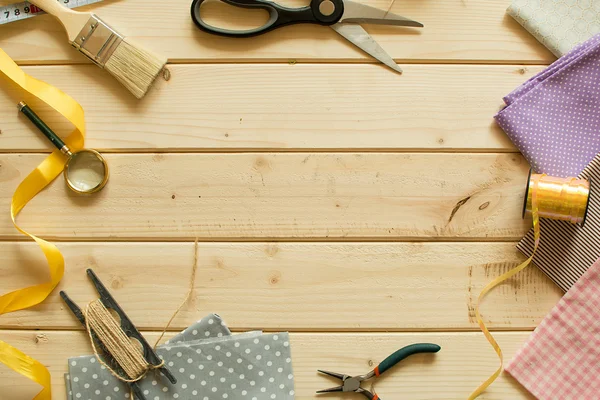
<point x="24" y="10"/>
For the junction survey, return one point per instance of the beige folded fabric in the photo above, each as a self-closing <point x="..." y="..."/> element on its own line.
<point x="559" y="25"/>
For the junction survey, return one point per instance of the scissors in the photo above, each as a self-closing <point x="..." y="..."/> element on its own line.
<point x="352" y="383"/>
<point x="343" y="16"/>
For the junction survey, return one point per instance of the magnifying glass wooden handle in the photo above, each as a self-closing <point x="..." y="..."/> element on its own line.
<point x="45" y="129"/>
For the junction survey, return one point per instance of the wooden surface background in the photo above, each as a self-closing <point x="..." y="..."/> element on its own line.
<point x="359" y="209"/>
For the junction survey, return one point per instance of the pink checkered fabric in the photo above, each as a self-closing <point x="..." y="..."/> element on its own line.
<point x="561" y="358"/>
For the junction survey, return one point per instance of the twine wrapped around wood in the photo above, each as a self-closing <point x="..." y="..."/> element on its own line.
<point x="101" y="324"/>
<point x="129" y="357"/>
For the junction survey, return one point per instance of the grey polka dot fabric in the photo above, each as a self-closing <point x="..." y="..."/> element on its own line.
<point x="208" y="362"/>
<point x="559" y="25"/>
<point x="554" y="117"/>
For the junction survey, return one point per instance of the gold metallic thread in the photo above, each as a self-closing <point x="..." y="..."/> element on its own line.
<point x="563" y="199"/>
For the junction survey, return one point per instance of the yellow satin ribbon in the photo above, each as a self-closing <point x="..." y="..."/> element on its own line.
<point x="499" y="280"/>
<point x="35" y="182"/>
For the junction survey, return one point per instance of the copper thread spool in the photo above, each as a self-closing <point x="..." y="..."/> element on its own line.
<point x="563" y="199"/>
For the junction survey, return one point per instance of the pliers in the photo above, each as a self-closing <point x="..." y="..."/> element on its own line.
<point x="352" y="383"/>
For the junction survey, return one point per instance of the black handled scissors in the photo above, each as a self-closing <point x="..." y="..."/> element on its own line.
<point x="343" y="16"/>
<point x="352" y="383"/>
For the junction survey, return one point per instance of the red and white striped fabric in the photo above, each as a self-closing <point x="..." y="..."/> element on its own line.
<point x="561" y="358"/>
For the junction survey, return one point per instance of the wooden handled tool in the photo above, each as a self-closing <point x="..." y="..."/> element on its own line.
<point x="134" y="67"/>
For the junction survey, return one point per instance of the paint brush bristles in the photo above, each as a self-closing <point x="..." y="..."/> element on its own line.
<point x="134" y="67"/>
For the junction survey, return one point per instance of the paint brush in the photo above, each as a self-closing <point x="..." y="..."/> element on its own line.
<point x="134" y="67"/>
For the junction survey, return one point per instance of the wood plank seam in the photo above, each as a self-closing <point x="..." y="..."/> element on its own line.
<point x="432" y="108"/>
<point x="291" y="282"/>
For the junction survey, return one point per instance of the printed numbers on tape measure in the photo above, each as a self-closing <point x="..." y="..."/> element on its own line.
<point x="29" y="9"/>
<point x="24" y="10"/>
<point x="17" y="12"/>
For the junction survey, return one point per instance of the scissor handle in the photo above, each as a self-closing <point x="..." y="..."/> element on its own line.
<point x="278" y="16"/>
<point x="404" y="352"/>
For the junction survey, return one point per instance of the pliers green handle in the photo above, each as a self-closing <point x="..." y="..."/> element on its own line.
<point x="352" y="383"/>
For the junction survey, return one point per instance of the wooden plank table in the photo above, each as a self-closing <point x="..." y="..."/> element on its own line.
<point x="358" y="209"/>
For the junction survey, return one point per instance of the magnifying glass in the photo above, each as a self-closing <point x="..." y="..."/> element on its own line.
<point x="86" y="171"/>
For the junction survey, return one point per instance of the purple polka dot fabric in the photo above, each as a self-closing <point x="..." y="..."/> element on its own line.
<point x="554" y="117"/>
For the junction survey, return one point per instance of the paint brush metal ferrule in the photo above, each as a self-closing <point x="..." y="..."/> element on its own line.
<point x="97" y="41"/>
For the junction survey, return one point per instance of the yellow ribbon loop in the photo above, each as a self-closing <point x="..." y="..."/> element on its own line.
<point x="35" y="182"/>
<point x="499" y="280"/>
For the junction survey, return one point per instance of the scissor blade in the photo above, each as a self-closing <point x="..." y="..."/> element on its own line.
<point x="360" y="38"/>
<point x="360" y="13"/>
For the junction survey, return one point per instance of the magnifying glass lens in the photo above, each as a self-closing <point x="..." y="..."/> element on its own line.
<point x="86" y="171"/>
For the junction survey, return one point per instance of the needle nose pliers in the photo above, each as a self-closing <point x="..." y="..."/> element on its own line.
<point x="352" y="383"/>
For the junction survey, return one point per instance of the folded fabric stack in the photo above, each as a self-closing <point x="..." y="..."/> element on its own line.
<point x="554" y="119"/>
<point x="208" y="362"/>
<point x="561" y="359"/>
<point x="559" y="25"/>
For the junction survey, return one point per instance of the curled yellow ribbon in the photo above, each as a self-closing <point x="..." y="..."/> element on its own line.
<point x="35" y="182"/>
<point x="499" y="280"/>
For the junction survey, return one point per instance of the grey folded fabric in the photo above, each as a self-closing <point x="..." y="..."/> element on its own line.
<point x="559" y="25"/>
<point x="208" y="362"/>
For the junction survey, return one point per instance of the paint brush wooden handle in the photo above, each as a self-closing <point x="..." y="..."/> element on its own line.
<point x="73" y="21"/>
<point x="134" y="67"/>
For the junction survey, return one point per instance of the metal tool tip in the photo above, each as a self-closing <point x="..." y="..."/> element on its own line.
<point x="21" y="105"/>
<point x="397" y="69"/>
<point x="392" y="65"/>
<point x="332" y="390"/>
